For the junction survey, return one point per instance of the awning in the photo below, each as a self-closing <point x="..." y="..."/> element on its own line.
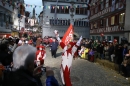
<point x="5" y="34"/>
<point x="5" y="30"/>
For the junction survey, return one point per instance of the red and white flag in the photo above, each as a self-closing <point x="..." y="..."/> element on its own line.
<point x="68" y="36"/>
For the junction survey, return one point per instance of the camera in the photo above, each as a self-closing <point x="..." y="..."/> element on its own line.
<point x="43" y="69"/>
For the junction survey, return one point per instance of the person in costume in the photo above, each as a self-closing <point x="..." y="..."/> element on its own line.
<point x="40" y="55"/>
<point x="67" y="57"/>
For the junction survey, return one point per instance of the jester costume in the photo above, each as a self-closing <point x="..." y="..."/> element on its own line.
<point x="40" y="55"/>
<point x="67" y="57"/>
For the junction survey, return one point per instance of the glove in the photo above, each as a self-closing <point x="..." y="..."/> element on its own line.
<point x="56" y="32"/>
<point x="79" y="41"/>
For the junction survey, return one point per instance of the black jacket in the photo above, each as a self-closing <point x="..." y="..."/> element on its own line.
<point x="19" y="78"/>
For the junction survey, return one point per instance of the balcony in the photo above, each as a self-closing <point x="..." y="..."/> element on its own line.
<point x="59" y="22"/>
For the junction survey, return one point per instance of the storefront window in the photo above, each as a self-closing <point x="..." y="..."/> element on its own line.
<point x="93" y="38"/>
<point x="98" y="38"/>
<point x="109" y="38"/>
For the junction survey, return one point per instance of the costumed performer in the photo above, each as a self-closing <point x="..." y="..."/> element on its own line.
<point x="40" y="55"/>
<point x="67" y="57"/>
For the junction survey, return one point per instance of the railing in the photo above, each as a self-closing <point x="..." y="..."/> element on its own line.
<point x="67" y="22"/>
<point x="107" y="29"/>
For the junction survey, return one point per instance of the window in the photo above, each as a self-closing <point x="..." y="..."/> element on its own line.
<point x="92" y="12"/>
<point x="121" y="18"/>
<point x="93" y="37"/>
<point x="107" y="22"/>
<point x="79" y="23"/>
<point x="91" y="26"/>
<point x="86" y="11"/>
<point x="60" y="9"/>
<point x="77" y="11"/>
<point x="58" y="22"/>
<point x="66" y="10"/>
<point x="81" y="11"/>
<point x="57" y="10"/>
<point x="101" y="23"/>
<point x="107" y="3"/>
<point x="7" y="18"/>
<point x="96" y="9"/>
<point x="113" y="20"/>
<point x="95" y="25"/>
<point x="109" y="38"/>
<point x="1" y="19"/>
<point x="68" y="22"/>
<point x="50" y="21"/>
<point x="65" y="22"/>
<point x="52" y="9"/>
<point x="102" y="5"/>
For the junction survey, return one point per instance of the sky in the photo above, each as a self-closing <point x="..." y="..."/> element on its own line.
<point x="34" y="2"/>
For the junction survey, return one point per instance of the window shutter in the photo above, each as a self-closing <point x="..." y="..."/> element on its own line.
<point x="109" y="21"/>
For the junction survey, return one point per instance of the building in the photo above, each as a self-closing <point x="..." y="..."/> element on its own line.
<point x="40" y="19"/>
<point x="9" y="17"/>
<point x="108" y="19"/>
<point x="32" y="24"/>
<point x="58" y="14"/>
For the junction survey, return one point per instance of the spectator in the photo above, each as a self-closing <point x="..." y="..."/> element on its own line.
<point x="51" y="80"/>
<point x="23" y="73"/>
<point x="126" y="66"/>
<point x="54" y="47"/>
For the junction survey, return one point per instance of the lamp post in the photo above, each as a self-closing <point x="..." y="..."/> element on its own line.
<point x="19" y="16"/>
<point x="72" y="10"/>
<point x="19" y="23"/>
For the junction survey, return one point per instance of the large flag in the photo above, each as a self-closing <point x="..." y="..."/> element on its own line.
<point x="68" y="36"/>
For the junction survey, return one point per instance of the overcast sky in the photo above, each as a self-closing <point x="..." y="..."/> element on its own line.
<point x="34" y="2"/>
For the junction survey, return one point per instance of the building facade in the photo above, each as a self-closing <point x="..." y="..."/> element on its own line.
<point x="107" y="19"/>
<point x="9" y="21"/>
<point x="58" y="14"/>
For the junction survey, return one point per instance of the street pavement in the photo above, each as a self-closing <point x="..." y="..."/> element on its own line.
<point x="85" y="73"/>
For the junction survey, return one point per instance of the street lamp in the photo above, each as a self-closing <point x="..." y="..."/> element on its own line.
<point x="19" y="23"/>
<point x="72" y="11"/>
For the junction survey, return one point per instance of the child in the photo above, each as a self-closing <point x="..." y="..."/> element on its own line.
<point x="91" y="55"/>
<point x="51" y="80"/>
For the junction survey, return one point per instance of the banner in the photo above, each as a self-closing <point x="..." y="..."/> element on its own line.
<point x="68" y="36"/>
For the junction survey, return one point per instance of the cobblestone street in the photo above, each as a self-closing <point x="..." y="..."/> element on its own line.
<point x="85" y="73"/>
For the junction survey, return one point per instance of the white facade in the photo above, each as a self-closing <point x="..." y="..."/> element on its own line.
<point x="14" y="20"/>
<point x="48" y="28"/>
